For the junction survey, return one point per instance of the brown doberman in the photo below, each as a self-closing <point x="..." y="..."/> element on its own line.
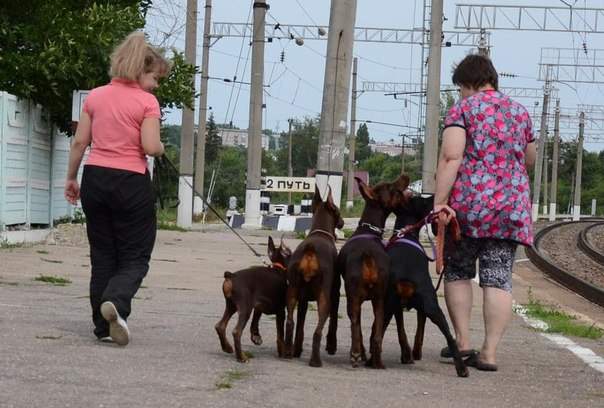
<point x="410" y="284"/>
<point x="260" y="289"/>
<point x="311" y="276"/>
<point x="364" y="264"/>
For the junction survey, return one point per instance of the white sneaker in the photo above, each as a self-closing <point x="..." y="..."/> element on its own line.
<point x="118" y="329"/>
<point x="106" y="339"/>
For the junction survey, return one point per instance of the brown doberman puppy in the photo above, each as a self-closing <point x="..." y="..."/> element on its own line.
<point x="364" y="264"/>
<point x="260" y="289"/>
<point x="311" y="276"/>
<point x="410" y="284"/>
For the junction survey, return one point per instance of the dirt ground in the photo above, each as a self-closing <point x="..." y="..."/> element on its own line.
<point x="50" y="358"/>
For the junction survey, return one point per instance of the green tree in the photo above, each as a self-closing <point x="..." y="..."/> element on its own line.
<point x="362" y="149"/>
<point x="49" y="48"/>
<point x="305" y="145"/>
<point x="213" y="141"/>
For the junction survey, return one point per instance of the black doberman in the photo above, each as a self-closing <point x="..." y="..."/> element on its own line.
<point x="364" y="264"/>
<point x="311" y="276"/>
<point x="260" y="289"/>
<point x="410" y="285"/>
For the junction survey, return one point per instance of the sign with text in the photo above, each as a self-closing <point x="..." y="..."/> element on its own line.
<point x="293" y="184"/>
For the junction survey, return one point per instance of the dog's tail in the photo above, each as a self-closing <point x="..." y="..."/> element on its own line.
<point x="227" y="285"/>
<point x="369" y="269"/>
<point x="309" y="264"/>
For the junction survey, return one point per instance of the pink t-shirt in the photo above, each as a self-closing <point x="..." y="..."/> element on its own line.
<point x="117" y="111"/>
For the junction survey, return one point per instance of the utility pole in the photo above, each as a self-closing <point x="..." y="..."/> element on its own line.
<point x="541" y="148"/>
<point x="254" y="145"/>
<point x="577" y="200"/>
<point x="403" y="154"/>
<point x="430" y="158"/>
<point x="184" y="217"/>
<point x="353" y="134"/>
<point x="290" y="169"/>
<point x="200" y="157"/>
<point x="336" y="89"/>
<point x="555" y="158"/>
<point x="545" y="166"/>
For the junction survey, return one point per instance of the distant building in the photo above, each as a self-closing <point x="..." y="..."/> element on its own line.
<point x="238" y="137"/>
<point x="392" y="148"/>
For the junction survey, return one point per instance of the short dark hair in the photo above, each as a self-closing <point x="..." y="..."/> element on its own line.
<point x="475" y="71"/>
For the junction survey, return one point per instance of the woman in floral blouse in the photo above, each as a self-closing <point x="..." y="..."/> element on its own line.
<point x="482" y="180"/>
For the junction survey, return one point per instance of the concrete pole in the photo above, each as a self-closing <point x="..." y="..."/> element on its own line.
<point x="594" y="207"/>
<point x="541" y="148"/>
<point x="353" y="134"/>
<point x="555" y="158"/>
<point x="184" y="216"/>
<point x="577" y="200"/>
<point x="402" y="154"/>
<point x="430" y="158"/>
<point x="253" y="219"/>
<point x="200" y="157"/>
<point x="290" y="169"/>
<point x="545" y="168"/>
<point x="336" y="90"/>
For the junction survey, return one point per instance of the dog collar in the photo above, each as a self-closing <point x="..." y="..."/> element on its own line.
<point x="323" y="232"/>
<point x="372" y="227"/>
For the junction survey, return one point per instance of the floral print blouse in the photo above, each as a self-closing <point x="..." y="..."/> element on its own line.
<point x="491" y="191"/>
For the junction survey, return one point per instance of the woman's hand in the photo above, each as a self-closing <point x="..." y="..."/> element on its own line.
<point x="72" y="191"/>
<point x="447" y="215"/>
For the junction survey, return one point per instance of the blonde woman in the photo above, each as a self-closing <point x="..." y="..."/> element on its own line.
<point x="120" y="121"/>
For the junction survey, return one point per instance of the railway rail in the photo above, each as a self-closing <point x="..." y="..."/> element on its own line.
<point x="572" y="253"/>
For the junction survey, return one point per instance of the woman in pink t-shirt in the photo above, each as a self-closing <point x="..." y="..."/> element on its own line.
<point x="482" y="179"/>
<point x="120" y="123"/>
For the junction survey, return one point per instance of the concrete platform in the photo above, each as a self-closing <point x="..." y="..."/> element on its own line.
<point x="49" y="357"/>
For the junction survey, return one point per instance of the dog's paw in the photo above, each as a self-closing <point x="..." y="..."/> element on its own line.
<point x="355" y="359"/>
<point x="257" y="339"/>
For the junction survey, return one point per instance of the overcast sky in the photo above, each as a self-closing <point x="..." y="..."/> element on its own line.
<point x="296" y="85"/>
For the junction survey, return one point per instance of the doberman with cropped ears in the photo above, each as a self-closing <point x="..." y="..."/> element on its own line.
<point x="260" y="289"/>
<point x="364" y="265"/>
<point x="410" y="284"/>
<point x="311" y="276"/>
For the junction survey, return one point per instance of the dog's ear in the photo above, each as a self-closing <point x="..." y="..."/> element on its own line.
<point x="366" y="191"/>
<point x="330" y="197"/>
<point x="271" y="248"/>
<point x="316" y="199"/>
<point x="402" y="182"/>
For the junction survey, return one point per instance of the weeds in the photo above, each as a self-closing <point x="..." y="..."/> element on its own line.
<point x="53" y="280"/>
<point x="42" y="252"/>
<point x="560" y="322"/>
<point x="227" y="379"/>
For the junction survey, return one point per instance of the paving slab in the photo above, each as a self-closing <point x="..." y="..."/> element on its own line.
<point x="49" y="357"/>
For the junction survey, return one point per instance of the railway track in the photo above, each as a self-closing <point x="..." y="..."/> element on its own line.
<point x="572" y="253"/>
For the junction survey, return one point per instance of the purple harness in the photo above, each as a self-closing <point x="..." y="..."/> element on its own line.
<point x="415" y="245"/>
<point x="366" y="236"/>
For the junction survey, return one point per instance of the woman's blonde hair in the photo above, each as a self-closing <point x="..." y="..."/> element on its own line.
<point x="135" y="57"/>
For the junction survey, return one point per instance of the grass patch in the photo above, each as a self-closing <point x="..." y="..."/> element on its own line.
<point x="300" y="235"/>
<point x="248" y="354"/>
<point x="227" y="379"/>
<point x="355" y="211"/>
<point x="42" y="252"/>
<point x="347" y="232"/>
<point x="4" y="244"/>
<point x="167" y="226"/>
<point x="9" y="283"/>
<point x="166" y="220"/>
<point x="560" y="322"/>
<point x="53" y="280"/>
<point x="51" y="260"/>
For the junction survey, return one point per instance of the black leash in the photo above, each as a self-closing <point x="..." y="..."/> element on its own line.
<point x="167" y="161"/>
